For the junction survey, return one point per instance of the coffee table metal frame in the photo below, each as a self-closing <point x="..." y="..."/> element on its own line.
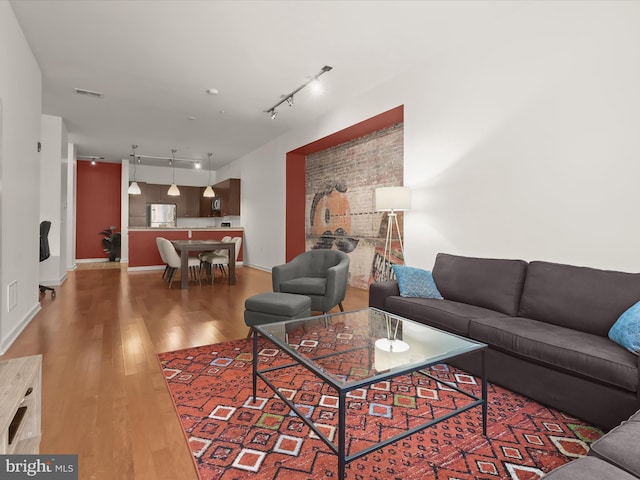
<point x="308" y="363"/>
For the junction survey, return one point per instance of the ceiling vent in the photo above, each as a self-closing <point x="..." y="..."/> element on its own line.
<point x="82" y="91"/>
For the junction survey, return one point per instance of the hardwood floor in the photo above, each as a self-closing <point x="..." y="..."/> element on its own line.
<point x="104" y="397"/>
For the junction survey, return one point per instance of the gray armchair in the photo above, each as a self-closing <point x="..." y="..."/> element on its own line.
<point x="320" y="274"/>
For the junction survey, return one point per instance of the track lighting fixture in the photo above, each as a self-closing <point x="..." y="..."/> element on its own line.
<point x="134" y="189"/>
<point x="289" y="97"/>
<point x="178" y="161"/>
<point x="174" y="191"/>
<point x="208" y="192"/>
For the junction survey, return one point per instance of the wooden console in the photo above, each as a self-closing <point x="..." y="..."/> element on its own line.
<point x="20" y="405"/>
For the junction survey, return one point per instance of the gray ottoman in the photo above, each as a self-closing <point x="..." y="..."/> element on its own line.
<point x="273" y="307"/>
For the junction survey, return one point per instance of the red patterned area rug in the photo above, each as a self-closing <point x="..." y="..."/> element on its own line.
<point x="231" y="437"/>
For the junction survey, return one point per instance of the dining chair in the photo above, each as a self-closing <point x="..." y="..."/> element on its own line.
<point x="223" y="259"/>
<point x="174" y="262"/>
<point x="205" y="256"/>
<point x="162" y="255"/>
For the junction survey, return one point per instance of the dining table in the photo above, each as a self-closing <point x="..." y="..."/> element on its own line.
<point x="186" y="247"/>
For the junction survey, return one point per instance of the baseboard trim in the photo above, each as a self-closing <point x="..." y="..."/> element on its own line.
<point x="259" y="267"/>
<point x="145" y="268"/>
<point x="54" y="283"/>
<point x="15" y="333"/>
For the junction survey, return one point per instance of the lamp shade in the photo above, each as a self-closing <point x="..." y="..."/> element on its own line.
<point x="134" y="189"/>
<point x="174" y="191"/>
<point x="393" y="198"/>
<point x="208" y="192"/>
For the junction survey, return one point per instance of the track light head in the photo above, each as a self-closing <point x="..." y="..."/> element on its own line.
<point x="289" y="97"/>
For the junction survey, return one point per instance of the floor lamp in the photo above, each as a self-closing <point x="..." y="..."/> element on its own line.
<point x="392" y="200"/>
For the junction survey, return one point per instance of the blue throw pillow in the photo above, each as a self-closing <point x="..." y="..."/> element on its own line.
<point x="626" y="330"/>
<point x="415" y="282"/>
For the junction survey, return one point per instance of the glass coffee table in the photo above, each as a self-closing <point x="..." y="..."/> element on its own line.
<point x="359" y="349"/>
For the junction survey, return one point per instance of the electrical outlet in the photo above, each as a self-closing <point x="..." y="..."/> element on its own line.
<point x="12" y="295"/>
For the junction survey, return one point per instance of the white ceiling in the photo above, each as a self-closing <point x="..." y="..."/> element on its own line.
<point x="154" y="61"/>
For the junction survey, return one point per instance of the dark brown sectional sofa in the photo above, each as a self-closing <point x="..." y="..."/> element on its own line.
<point x="612" y="457"/>
<point x="546" y="325"/>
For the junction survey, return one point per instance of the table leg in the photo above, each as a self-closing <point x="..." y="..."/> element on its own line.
<point x="255" y="362"/>
<point x="484" y="393"/>
<point x="342" y="434"/>
<point x="232" y="263"/>
<point x="184" y="262"/>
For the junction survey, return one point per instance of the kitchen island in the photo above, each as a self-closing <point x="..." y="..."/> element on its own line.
<point x="143" y="250"/>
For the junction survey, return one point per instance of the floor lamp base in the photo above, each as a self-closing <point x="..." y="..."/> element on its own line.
<point x="386" y="271"/>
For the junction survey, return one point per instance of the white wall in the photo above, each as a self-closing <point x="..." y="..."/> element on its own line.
<point x="20" y="94"/>
<point x="70" y="207"/>
<point x="529" y="148"/>
<point x="53" y="196"/>
<point x="522" y="143"/>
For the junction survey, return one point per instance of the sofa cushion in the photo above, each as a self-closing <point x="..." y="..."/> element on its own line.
<point x="619" y="447"/>
<point x="588" y="468"/>
<point x="579" y="353"/>
<point x="305" y="285"/>
<point x="580" y="298"/>
<point x="626" y="330"/>
<point x="415" y="282"/>
<point x="443" y="314"/>
<point x="495" y="284"/>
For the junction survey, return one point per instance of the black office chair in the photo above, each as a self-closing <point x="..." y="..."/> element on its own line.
<point x="45" y="253"/>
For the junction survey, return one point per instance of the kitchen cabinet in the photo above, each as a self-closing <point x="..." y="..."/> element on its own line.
<point x="225" y="203"/>
<point x="187" y="203"/>
<point x="191" y="203"/>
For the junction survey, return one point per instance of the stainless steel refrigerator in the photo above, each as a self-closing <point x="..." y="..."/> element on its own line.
<point x="161" y="215"/>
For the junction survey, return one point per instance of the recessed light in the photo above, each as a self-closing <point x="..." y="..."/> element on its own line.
<point x="213" y="91"/>
<point x="191" y="118"/>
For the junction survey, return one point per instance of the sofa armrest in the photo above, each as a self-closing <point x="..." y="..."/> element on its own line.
<point x="379" y="291"/>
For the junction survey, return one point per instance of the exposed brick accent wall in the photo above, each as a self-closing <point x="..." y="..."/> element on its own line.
<point x="339" y="207"/>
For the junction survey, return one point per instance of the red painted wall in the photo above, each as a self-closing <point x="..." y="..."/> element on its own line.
<point x="295" y="171"/>
<point x="97" y="206"/>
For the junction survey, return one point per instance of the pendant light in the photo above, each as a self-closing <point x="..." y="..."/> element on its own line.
<point x="134" y="189"/>
<point x="174" y="191"/>
<point x="208" y="192"/>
